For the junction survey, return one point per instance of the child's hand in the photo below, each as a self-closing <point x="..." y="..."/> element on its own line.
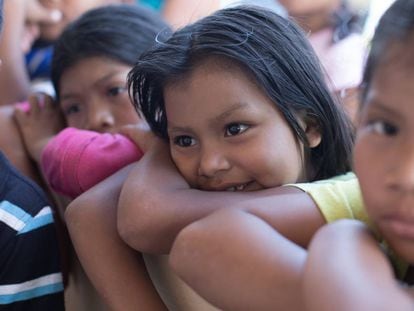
<point x="38" y="122"/>
<point x="140" y="134"/>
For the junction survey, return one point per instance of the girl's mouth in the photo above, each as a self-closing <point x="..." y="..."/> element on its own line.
<point x="239" y="187"/>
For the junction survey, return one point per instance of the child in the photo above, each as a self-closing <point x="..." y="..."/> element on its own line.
<point x="89" y="76"/>
<point x="92" y="59"/>
<point x="335" y="34"/>
<point x="236" y="137"/>
<point x="383" y="160"/>
<point x="225" y="134"/>
<point x="30" y="266"/>
<point x="31" y="277"/>
<point x="271" y="127"/>
<point x="161" y="201"/>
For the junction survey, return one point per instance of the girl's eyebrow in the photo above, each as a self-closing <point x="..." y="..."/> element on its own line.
<point x="217" y="119"/>
<point x="67" y="96"/>
<point x="70" y="94"/>
<point x="381" y="107"/>
<point x="109" y="76"/>
<point x="228" y="112"/>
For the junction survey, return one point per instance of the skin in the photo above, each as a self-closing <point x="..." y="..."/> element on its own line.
<point x="94" y="97"/>
<point x="217" y="143"/>
<point x="29" y="20"/>
<point x="19" y="31"/>
<point x="35" y="134"/>
<point x="129" y="287"/>
<point x="366" y="280"/>
<point x="224" y="141"/>
<point x="237" y="272"/>
<point x="25" y="22"/>
<point x="346" y="270"/>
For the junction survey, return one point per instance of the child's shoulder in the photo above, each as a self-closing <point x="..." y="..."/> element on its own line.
<point x="337" y="198"/>
<point x="23" y="203"/>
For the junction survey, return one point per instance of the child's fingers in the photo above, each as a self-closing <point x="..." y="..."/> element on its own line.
<point x="34" y="104"/>
<point x="127" y="130"/>
<point x="135" y="130"/>
<point x="140" y="134"/>
<point x="48" y="102"/>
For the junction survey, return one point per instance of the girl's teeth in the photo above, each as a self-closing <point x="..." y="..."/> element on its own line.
<point x="236" y="188"/>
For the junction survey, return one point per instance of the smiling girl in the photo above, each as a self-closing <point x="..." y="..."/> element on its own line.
<point x="235" y="121"/>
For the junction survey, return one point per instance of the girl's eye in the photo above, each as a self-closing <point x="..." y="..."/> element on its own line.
<point x="184" y="141"/>
<point x="114" y="91"/>
<point x="383" y="128"/>
<point x="235" y="129"/>
<point x="71" y="109"/>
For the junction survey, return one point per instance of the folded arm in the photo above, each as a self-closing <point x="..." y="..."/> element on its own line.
<point x="156" y="203"/>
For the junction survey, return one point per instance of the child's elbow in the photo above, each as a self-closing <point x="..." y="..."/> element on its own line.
<point x="139" y="229"/>
<point x="182" y="251"/>
<point x="133" y="233"/>
<point x="78" y="216"/>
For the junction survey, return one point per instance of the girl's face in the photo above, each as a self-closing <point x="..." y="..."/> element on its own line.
<point x="70" y="10"/>
<point x="94" y="96"/>
<point x="384" y="151"/>
<point x="226" y="134"/>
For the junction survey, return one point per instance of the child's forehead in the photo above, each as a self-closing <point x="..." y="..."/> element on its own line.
<point x="397" y="59"/>
<point x="393" y="78"/>
<point x="400" y="50"/>
<point x="212" y="64"/>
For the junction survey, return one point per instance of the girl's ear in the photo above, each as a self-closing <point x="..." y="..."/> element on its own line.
<point x="313" y="132"/>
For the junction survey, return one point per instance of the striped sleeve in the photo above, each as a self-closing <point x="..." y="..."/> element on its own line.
<point x="30" y="276"/>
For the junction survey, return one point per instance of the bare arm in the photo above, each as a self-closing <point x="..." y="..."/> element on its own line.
<point x="346" y="270"/>
<point x="156" y="203"/>
<point x="117" y="272"/>
<point x="236" y="261"/>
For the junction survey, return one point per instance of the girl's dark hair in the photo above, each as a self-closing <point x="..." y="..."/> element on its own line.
<point x="119" y="32"/>
<point x="396" y="25"/>
<point x="346" y="21"/>
<point x="274" y="52"/>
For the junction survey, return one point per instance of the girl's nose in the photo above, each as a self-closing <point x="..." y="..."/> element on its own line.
<point x="101" y="120"/>
<point x="400" y="176"/>
<point x="212" y="162"/>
